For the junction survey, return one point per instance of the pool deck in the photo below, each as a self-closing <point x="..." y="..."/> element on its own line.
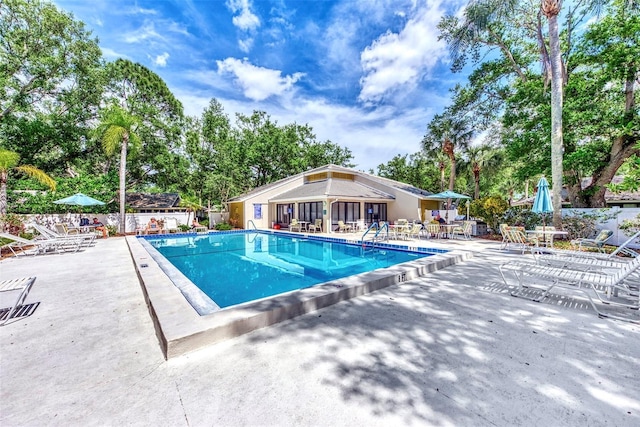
<point x="448" y="348"/>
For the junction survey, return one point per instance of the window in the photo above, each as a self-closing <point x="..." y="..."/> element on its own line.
<point x="284" y="213"/>
<point x="375" y="212"/>
<point x="310" y="211"/>
<point x="345" y="211"/>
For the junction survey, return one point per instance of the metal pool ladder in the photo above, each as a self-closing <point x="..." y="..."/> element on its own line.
<point x="379" y="228"/>
<point x="250" y="222"/>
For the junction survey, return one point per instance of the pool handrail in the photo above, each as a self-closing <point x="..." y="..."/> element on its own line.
<point x="252" y="223"/>
<point x="378" y="228"/>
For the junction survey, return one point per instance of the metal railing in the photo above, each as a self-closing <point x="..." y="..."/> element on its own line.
<point x="250" y="222"/>
<point x="379" y="227"/>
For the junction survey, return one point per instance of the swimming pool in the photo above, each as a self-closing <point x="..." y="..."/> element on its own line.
<point x="236" y="268"/>
<point x="185" y="319"/>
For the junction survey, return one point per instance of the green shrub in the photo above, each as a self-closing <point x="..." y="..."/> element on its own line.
<point x="223" y="226"/>
<point x="490" y="209"/>
<point x="184" y="227"/>
<point x="12" y="223"/>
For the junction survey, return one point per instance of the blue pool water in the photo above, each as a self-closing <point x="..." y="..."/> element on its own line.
<point x="239" y="267"/>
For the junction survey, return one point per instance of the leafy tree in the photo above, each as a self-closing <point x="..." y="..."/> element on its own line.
<point x="50" y="83"/>
<point x="9" y="161"/>
<point x="117" y="129"/>
<point x="415" y="170"/>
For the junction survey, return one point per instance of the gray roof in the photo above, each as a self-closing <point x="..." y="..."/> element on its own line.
<point x="335" y="168"/>
<point x="152" y="200"/>
<point x="333" y="188"/>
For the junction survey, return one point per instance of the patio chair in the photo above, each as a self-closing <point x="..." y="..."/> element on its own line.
<point x="608" y="287"/>
<point x="433" y="230"/>
<point x="24" y="286"/>
<point x="295" y="225"/>
<point x="543" y="238"/>
<point x="316" y="226"/>
<point x="464" y="230"/>
<point x="597" y="243"/>
<point x="171" y="225"/>
<point x="343" y="228"/>
<point x="517" y="237"/>
<point x="505" y="237"/>
<point x="412" y="231"/>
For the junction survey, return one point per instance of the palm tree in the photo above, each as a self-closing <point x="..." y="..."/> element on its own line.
<point x="455" y="134"/>
<point x="10" y="160"/>
<point x="117" y="130"/>
<point x="551" y="9"/>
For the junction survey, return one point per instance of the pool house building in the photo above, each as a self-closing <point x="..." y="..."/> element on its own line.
<point x="331" y="193"/>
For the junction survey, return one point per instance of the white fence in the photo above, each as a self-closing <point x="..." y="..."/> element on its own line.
<point x="133" y="220"/>
<point x="613" y="224"/>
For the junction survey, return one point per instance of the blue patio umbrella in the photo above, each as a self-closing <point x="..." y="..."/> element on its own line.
<point x="542" y="203"/>
<point x="446" y="195"/>
<point x="80" y="200"/>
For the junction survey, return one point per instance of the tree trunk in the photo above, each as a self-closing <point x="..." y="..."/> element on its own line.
<point x="556" y="119"/>
<point x="123" y="177"/>
<point x="476" y="178"/>
<point x="3" y="193"/>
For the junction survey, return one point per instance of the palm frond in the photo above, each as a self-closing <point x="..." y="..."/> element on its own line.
<point x="38" y="175"/>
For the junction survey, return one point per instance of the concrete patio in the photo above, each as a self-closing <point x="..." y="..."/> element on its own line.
<point x="451" y="348"/>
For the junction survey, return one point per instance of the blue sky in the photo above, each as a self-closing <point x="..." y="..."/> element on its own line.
<point x="365" y="74"/>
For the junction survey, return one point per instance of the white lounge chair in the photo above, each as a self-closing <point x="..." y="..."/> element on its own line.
<point x="46" y="233"/>
<point x="24" y="286"/>
<point x="622" y="250"/>
<point x="39" y="246"/>
<point x="609" y="287"/>
<point x="597" y="243"/>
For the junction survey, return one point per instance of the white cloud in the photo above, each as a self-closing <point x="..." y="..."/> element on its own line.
<point x="147" y="31"/>
<point x="257" y="83"/>
<point x="161" y="60"/>
<point x="246" y="20"/>
<point x="245" y="44"/>
<point x="401" y="60"/>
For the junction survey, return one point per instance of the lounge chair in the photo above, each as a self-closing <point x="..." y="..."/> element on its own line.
<point x="46" y="233"/>
<point x="295" y="225"/>
<point x="316" y="226"/>
<point x="597" y="243"/>
<point x="39" y="246"/>
<point x="24" y="286"/>
<point x="609" y="287"/>
<point x="622" y="253"/>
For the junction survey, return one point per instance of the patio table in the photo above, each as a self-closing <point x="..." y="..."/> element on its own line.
<point x="546" y="233"/>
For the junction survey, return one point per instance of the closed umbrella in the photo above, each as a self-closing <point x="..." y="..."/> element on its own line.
<point x="542" y="203"/>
